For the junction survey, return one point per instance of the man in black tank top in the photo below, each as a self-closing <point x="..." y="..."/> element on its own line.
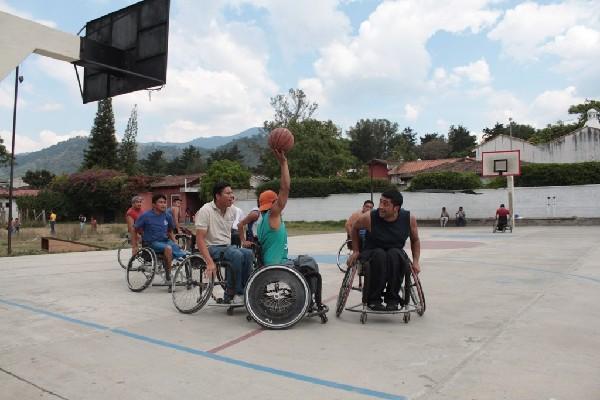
<point x="387" y="227"/>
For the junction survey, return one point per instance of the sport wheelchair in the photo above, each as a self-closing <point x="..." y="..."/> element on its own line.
<point x="413" y="295"/>
<point x="502" y="226"/>
<point x="144" y="265"/>
<point x="275" y="296"/>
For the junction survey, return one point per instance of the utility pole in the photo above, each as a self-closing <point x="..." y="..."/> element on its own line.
<point x="510" y="180"/>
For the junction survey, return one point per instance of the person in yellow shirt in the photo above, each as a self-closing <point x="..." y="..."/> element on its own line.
<point x="52" y="222"/>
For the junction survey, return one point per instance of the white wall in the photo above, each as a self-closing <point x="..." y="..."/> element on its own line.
<point x="565" y="201"/>
<point x="582" y="145"/>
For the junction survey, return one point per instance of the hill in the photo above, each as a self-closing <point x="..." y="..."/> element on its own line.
<point x="66" y="157"/>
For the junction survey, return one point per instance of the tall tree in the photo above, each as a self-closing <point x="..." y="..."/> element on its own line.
<point x="38" y="179"/>
<point x="293" y="107"/>
<point x="225" y="170"/>
<point x="434" y="149"/>
<point x="128" y="148"/>
<point x="404" y="145"/>
<point x="190" y="161"/>
<point x="154" y="163"/>
<point x="231" y="153"/>
<point x="461" y="141"/>
<point x="102" y="149"/>
<point x="4" y="154"/>
<point x="520" y="131"/>
<point x="582" y="110"/>
<point x="431" y="136"/>
<point x="370" y="138"/>
<point x="319" y="151"/>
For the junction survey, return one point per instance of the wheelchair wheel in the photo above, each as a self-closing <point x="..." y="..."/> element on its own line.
<point x="191" y="289"/>
<point x="141" y="269"/>
<point x="342" y="256"/>
<point x="183" y="241"/>
<point x="345" y="290"/>
<point x="124" y="253"/>
<point x="277" y="296"/>
<point x="417" y="295"/>
<point x="495" y="228"/>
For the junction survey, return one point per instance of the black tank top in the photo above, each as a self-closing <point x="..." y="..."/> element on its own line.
<point x="387" y="235"/>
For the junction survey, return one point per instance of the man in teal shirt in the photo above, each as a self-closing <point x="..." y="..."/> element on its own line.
<point x="271" y="231"/>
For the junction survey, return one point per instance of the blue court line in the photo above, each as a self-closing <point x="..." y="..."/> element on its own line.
<point x="212" y="356"/>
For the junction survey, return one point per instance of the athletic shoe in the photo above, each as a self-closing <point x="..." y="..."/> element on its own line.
<point x="376" y="307"/>
<point x="237" y="299"/>
<point x="391" y="307"/>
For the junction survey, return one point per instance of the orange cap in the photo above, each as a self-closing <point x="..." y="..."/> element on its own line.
<point x="266" y="200"/>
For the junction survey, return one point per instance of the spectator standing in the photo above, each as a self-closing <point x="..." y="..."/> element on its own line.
<point x="52" y="220"/>
<point x="82" y="220"/>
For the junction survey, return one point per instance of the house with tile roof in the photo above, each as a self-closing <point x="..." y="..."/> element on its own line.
<point x="403" y="173"/>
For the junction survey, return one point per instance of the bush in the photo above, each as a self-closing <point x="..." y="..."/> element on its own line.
<point x="584" y="173"/>
<point x="445" y="181"/>
<point x="322" y="187"/>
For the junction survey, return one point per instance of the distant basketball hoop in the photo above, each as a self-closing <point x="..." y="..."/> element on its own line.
<point x="501" y="163"/>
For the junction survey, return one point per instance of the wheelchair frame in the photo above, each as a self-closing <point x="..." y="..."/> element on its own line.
<point x="151" y="264"/>
<point x="274" y="294"/>
<point x="508" y="227"/>
<point x="416" y="296"/>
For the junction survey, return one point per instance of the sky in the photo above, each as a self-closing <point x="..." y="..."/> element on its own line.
<point x="426" y="64"/>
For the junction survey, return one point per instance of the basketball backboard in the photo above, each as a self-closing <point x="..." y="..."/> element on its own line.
<point x="501" y="163"/>
<point x="125" y="50"/>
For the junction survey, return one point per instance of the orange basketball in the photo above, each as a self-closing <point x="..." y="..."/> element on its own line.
<point x="281" y="139"/>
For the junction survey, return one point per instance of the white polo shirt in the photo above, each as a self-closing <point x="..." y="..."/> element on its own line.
<point x="216" y="224"/>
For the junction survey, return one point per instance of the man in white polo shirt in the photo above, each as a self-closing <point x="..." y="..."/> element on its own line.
<point x="213" y="238"/>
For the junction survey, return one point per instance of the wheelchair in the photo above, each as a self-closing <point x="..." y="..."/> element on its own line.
<point x="498" y="227"/>
<point x="412" y="290"/>
<point x="144" y="265"/>
<point x="343" y="253"/>
<point x="275" y="296"/>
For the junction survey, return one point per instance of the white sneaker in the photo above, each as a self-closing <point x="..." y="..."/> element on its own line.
<point x="237" y="299"/>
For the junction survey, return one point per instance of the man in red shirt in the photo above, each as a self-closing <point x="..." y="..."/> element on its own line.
<point x="502" y="217"/>
<point x="131" y="216"/>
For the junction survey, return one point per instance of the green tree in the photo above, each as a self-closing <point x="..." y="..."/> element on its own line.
<point x="190" y="161"/>
<point x="431" y="136"/>
<point x="582" y="110"/>
<point x="102" y="149"/>
<point x="520" y="131"/>
<point x="4" y="154"/>
<point x="370" y="138"/>
<point x="154" y="163"/>
<point x="290" y="108"/>
<point x="128" y="148"/>
<point x="434" y="149"/>
<point x="224" y="170"/>
<point x="552" y="131"/>
<point x="231" y="153"/>
<point x="38" y="179"/>
<point x="461" y="141"/>
<point x="319" y="151"/>
<point x="403" y="146"/>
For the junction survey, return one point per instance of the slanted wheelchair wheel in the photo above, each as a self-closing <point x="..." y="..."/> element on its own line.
<point x="124" y="253"/>
<point x="345" y="290"/>
<point x="277" y="296"/>
<point x="342" y="256"/>
<point x="417" y="295"/>
<point x="141" y="269"/>
<point x="191" y="288"/>
<point x="495" y="228"/>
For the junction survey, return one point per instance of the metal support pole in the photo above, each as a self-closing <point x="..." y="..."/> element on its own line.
<point x="510" y="180"/>
<point x="371" y="173"/>
<point x="12" y="164"/>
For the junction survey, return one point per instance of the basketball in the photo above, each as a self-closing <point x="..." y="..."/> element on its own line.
<point x="281" y="139"/>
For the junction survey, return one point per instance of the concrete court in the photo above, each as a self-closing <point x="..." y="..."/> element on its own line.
<point x="509" y="316"/>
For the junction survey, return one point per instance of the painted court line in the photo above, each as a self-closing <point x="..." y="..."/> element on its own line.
<point x="216" y="357"/>
<point x="250" y="334"/>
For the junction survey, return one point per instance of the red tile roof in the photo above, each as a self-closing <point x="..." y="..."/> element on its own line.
<point x="19" y="192"/>
<point x="412" y="168"/>
<point x="177" y="180"/>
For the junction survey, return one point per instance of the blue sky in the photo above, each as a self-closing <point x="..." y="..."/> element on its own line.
<point x="421" y="63"/>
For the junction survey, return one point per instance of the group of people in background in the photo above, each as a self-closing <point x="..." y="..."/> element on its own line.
<point x="460" y="217"/>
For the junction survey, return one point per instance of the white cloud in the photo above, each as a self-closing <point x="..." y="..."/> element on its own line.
<point x="389" y="54"/>
<point x="8" y="9"/>
<point x="411" y="112"/>
<point x="48" y="107"/>
<point x="476" y="72"/>
<point x="45" y="138"/>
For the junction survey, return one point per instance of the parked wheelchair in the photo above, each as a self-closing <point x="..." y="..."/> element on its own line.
<point x="275" y="296"/>
<point x="413" y="297"/>
<point x="502" y="225"/>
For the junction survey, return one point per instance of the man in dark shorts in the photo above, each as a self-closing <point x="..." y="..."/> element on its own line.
<point x="387" y="227"/>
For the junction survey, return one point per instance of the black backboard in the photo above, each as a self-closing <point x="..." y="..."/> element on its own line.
<point x="125" y="50"/>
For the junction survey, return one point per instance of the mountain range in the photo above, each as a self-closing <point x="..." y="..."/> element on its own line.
<point x="66" y="157"/>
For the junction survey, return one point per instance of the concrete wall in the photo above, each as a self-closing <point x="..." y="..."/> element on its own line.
<point x="535" y="202"/>
<point x="582" y="145"/>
